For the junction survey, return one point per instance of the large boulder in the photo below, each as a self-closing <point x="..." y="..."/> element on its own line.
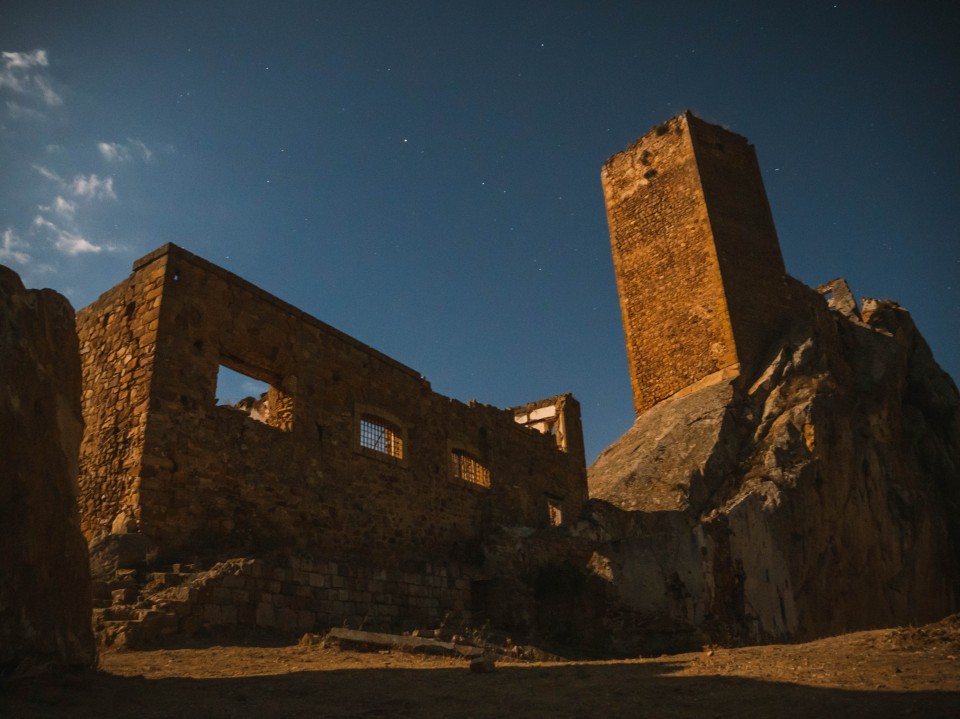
<point x="819" y="497"/>
<point x="45" y="604"/>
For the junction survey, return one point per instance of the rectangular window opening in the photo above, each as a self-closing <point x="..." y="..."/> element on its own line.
<point x="468" y="468"/>
<point x="555" y="511"/>
<point x="258" y="399"/>
<point x="377" y="434"/>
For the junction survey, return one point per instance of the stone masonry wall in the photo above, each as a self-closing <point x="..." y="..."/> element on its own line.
<point x="675" y="316"/>
<point x="213" y="482"/>
<point x="294" y="594"/>
<point x="696" y="257"/>
<point x="760" y="296"/>
<point x="118" y="335"/>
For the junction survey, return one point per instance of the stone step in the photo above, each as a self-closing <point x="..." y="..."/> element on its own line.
<point x="164" y="580"/>
<point x="115" y="613"/>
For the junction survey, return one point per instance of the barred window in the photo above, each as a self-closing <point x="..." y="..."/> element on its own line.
<point x="380" y="436"/>
<point x="468" y="468"/>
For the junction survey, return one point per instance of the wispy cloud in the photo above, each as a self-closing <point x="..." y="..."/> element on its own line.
<point x="24" y="60"/>
<point x="70" y="243"/>
<point x="90" y="187"/>
<point x="11" y="248"/>
<point x="57" y="230"/>
<point x="56" y="221"/>
<point x="22" y="73"/>
<point x="119" y="152"/>
<point x="93" y="187"/>
<point x="50" y="175"/>
<point x="113" y="151"/>
<point x="62" y="207"/>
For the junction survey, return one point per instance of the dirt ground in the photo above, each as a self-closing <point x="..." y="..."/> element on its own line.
<point x="909" y="672"/>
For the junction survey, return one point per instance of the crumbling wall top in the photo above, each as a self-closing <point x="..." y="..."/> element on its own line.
<point x="176" y="254"/>
<point x="840" y="298"/>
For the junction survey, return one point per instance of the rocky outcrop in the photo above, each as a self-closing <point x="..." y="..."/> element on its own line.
<point x="664" y="457"/>
<point x="822" y="496"/>
<point x="45" y="605"/>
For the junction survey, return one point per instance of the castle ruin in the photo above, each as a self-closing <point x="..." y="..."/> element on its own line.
<point x="802" y="480"/>
<point x="350" y="462"/>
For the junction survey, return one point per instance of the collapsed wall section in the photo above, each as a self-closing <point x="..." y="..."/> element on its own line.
<point x="558" y="417"/>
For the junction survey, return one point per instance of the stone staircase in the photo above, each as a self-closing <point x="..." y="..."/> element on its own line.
<point x="132" y="610"/>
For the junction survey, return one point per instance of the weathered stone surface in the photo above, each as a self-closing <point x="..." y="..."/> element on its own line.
<point x="282" y="593"/>
<point x="661" y="460"/>
<point x="482" y="665"/>
<point x="823" y="498"/>
<point x="110" y="552"/>
<point x="199" y="480"/>
<point x="45" y="604"/>
<point x="409" y="643"/>
<point x="699" y="272"/>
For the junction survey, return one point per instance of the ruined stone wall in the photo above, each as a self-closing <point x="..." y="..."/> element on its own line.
<point x="293" y="594"/>
<point x="695" y="253"/>
<point x="118" y="336"/>
<point x="212" y="480"/>
<point x="45" y="603"/>
<point x="557" y="416"/>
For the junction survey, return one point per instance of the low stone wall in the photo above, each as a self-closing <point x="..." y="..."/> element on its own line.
<point x="297" y="594"/>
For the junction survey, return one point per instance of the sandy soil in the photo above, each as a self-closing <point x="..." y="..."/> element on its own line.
<point x="911" y="672"/>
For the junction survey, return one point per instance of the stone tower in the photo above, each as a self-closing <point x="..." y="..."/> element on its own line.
<point x="699" y="271"/>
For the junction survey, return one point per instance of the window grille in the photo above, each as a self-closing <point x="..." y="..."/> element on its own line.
<point x="469" y="469"/>
<point x="375" y="434"/>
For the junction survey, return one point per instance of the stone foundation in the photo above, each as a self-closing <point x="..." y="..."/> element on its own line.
<point x="287" y="595"/>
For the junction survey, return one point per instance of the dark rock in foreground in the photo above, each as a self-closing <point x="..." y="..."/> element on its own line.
<point x="45" y="605"/>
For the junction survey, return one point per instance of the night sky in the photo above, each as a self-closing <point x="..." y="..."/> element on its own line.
<point x="425" y="175"/>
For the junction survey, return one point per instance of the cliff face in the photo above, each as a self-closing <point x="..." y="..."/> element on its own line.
<point x="822" y="496"/>
<point x="45" y="604"/>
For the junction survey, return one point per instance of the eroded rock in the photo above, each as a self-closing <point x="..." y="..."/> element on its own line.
<point x="824" y="497"/>
<point x="45" y="605"/>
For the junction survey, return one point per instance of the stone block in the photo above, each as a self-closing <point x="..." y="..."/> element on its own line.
<point x="286" y="619"/>
<point x="306" y="620"/>
<point x="246" y="614"/>
<point x="265" y="616"/>
<point x="233" y="581"/>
